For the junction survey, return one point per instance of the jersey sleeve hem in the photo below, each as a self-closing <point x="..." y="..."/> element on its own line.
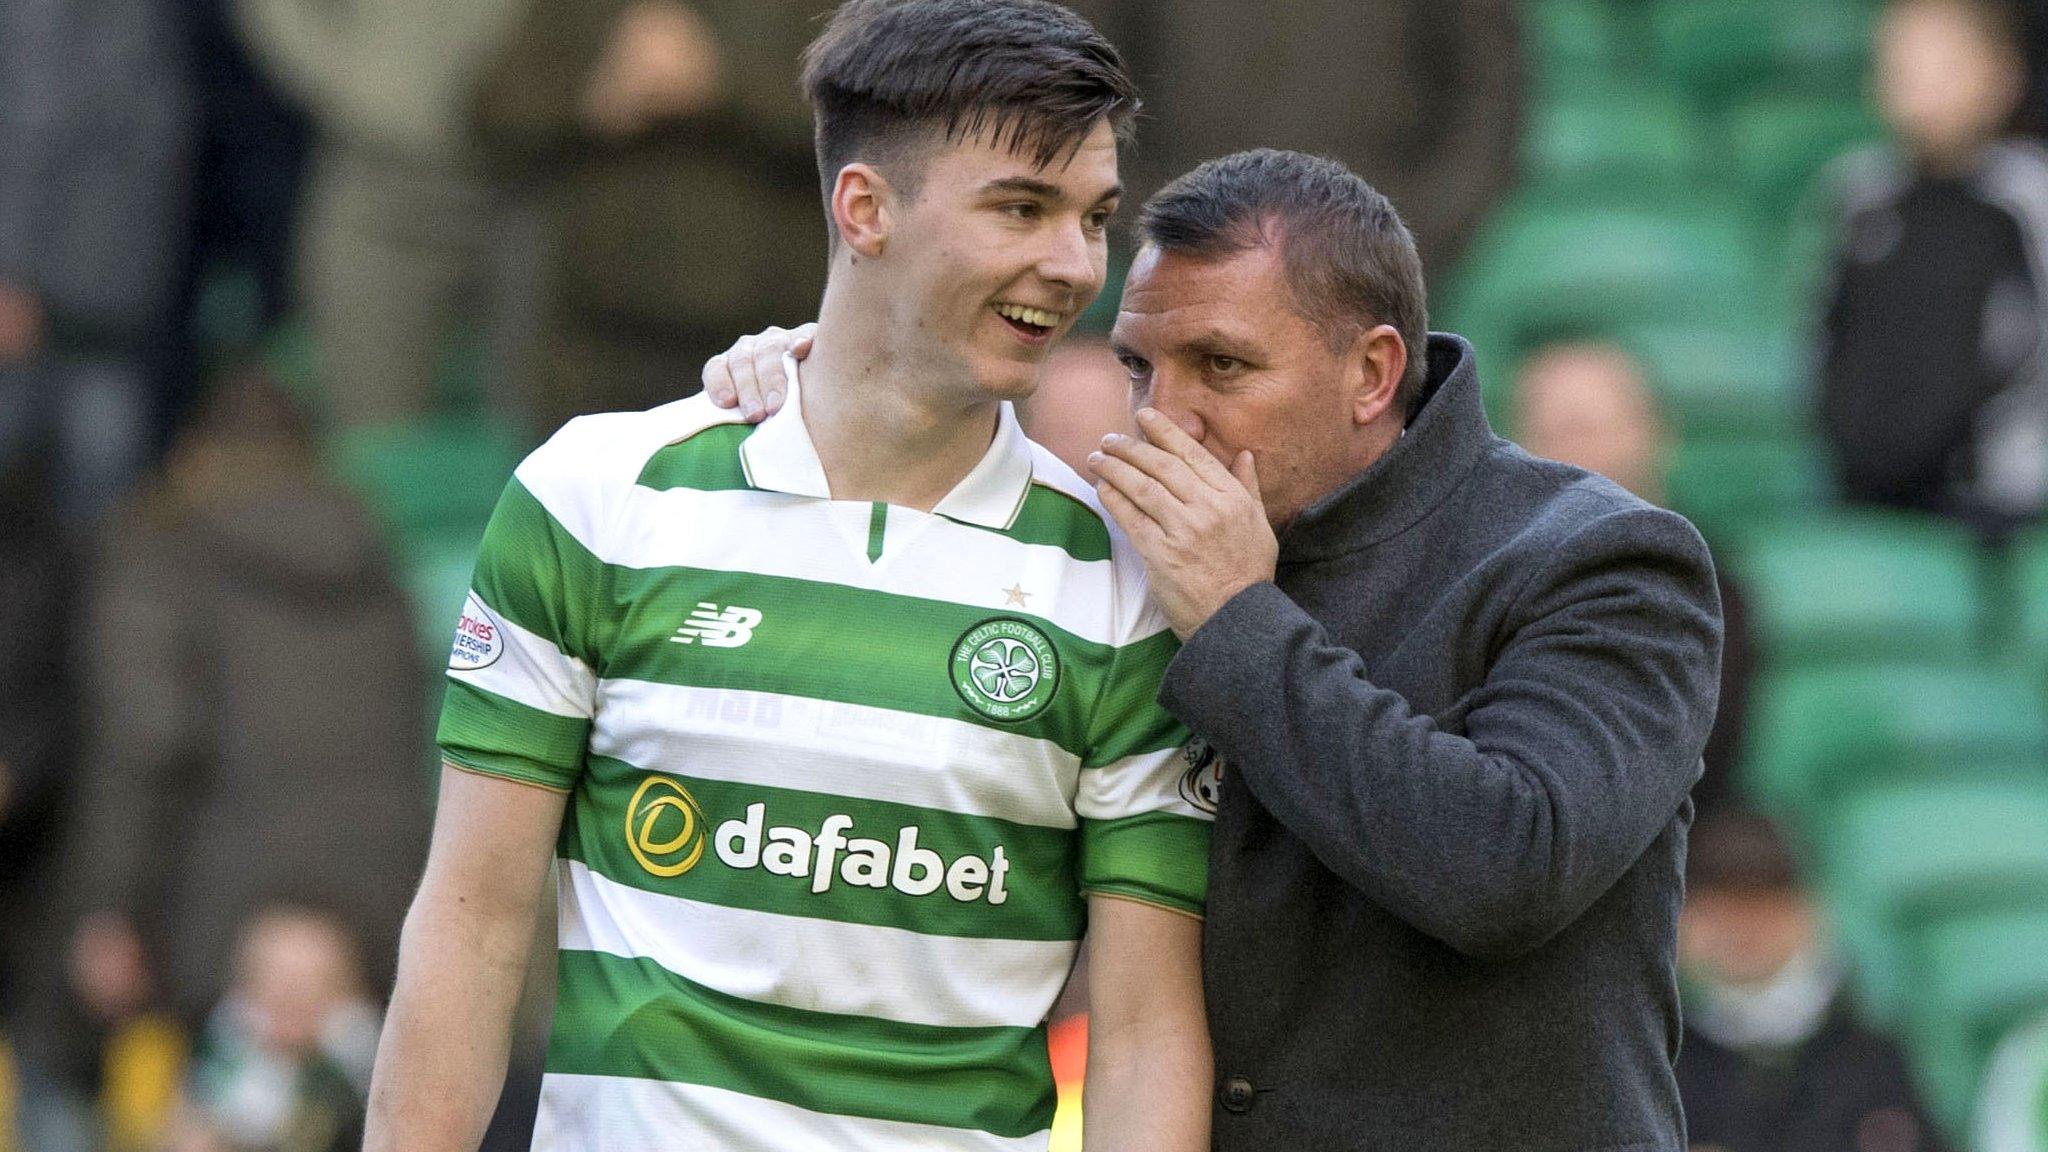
<point x="1149" y="899"/>
<point x="504" y="768"/>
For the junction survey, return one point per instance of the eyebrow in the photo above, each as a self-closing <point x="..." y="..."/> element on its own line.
<point x="1044" y="189"/>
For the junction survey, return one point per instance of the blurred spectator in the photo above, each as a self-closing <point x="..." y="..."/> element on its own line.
<point x="255" y="714"/>
<point x="1421" y="97"/>
<point x="1587" y="404"/>
<point x="672" y="157"/>
<point x="1772" y="1058"/>
<point x="284" y="1065"/>
<point x="396" y="246"/>
<point x="95" y="143"/>
<point x="1934" y="383"/>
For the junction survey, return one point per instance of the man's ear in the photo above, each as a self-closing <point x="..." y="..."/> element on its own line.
<point x="1373" y="370"/>
<point x="863" y="208"/>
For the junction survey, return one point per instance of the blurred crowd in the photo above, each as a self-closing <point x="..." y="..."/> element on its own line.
<point x="239" y="236"/>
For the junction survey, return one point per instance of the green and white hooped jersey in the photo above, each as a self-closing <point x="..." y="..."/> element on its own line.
<point x="840" y="776"/>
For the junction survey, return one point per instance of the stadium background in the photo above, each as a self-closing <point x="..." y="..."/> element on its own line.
<point x="1662" y="189"/>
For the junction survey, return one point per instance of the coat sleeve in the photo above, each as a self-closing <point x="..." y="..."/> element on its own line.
<point x="1573" y="755"/>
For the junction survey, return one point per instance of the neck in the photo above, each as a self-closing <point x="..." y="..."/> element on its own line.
<point x="889" y="425"/>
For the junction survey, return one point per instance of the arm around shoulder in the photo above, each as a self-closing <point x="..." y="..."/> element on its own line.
<point x="461" y="964"/>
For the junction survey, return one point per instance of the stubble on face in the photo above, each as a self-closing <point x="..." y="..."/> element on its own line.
<point x="1216" y="344"/>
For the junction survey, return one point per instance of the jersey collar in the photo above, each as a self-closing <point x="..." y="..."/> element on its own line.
<point x="780" y="457"/>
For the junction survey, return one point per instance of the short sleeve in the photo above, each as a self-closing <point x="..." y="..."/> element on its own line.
<point x="1144" y="818"/>
<point x="522" y="684"/>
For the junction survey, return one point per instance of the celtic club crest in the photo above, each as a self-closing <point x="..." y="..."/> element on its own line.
<point x="1005" y="669"/>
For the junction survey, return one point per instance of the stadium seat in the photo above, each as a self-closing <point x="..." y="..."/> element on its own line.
<point x="1819" y="734"/>
<point x="1731" y="487"/>
<point x="1980" y="975"/>
<point x="438" y="475"/>
<point x="1780" y="143"/>
<point x="1865" y="586"/>
<point x="1547" y="268"/>
<point x="1626" y="147"/>
<point x="436" y="576"/>
<point x="1716" y="50"/>
<point x="1911" y="855"/>
<point x="1719" y="381"/>
<point x="1572" y="43"/>
<point x="2028" y="570"/>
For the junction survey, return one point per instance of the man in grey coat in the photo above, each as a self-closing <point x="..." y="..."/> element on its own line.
<point x="1453" y="707"/>
<point x="1450" y="712"/>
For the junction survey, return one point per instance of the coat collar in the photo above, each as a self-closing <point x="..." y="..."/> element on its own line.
<point x="1424" y="466"/>
<point x="780" y="457"/>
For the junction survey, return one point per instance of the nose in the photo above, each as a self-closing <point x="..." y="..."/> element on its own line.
<point x="1176" y="399"/>
<point x="1075" y="261"/>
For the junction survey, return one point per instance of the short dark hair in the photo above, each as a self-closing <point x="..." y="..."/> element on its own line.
<point x="885" y="74"/>
<point x="1350" y="261"/>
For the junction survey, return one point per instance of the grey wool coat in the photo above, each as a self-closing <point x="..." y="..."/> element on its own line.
<point x="1456" y="738"/>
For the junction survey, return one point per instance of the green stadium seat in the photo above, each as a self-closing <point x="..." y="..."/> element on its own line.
<point x="1863" y="586"/>
<point x="1725" y="381"/>
<point x="1717" y="50"/>
<point x="442" y="474"/>
<point x="1620" y="146"/>
<point x="2029" y="599"/>
<point x="1909" y="856"/>
<point x="1570" y="43"/>
<point x="1553" y="268"/>
<point x="1980" y="975"/>
<point x="1732" y="487"/>
<point x="1780" y="143"/>
<point x="436" y="577"/>
<point x="1816" y="735"/>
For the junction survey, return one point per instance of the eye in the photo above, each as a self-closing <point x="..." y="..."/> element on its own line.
<point x="1020" y="210"/>
<point x="1225" y="365"/>
<point x="1136" y="367"/>
<point x="1097" y="220"/>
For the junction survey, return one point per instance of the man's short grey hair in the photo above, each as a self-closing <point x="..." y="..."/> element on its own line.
<point x="1351" y="264"/>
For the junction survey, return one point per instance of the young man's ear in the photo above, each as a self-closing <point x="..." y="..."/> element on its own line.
<point x="863" y="209"/>
<point x="1378" y="360"/>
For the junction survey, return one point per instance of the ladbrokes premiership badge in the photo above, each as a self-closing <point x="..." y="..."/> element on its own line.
<point x="1005" y="669"/>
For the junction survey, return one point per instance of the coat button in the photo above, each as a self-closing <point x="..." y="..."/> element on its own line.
<point x="1237" y="1094"/>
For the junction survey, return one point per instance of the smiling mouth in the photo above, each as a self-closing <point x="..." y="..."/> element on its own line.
<point x="1032" y="322"/>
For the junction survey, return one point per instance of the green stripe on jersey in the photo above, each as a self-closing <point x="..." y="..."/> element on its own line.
<point x="819" y="640"/>
<point x="708" y="461"/>
<point x="1157" y="857"/>
<point x="539" y="576"/>
<point x="487" y="732"/>
<point x="925" y="870"/>
<point x="631" y="1017"/>
<point x="859" y="646"/>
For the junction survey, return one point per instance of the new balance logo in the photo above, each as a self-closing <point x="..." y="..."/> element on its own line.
<point x="718" y="628"/>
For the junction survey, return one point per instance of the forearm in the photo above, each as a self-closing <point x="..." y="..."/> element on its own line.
<point x="1148" y="1084"/>
<point x="445" y="1045"/>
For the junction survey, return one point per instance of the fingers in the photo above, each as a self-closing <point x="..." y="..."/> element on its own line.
<point x="717" y="377"/>
<point x="1145" y="493"/>
<point x="771" y="383"/>
<point x="1138" y="526"/>
<point x="1169" y="470"/>
<point x="1174" y="439"/>
<point x="746" y="374"/>
<point x="1246" y="469"/>
<point x="802" y="336"/>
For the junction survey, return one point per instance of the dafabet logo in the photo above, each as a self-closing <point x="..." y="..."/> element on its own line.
<point x="665" y="830"/>
<point x="665" y="847"/>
